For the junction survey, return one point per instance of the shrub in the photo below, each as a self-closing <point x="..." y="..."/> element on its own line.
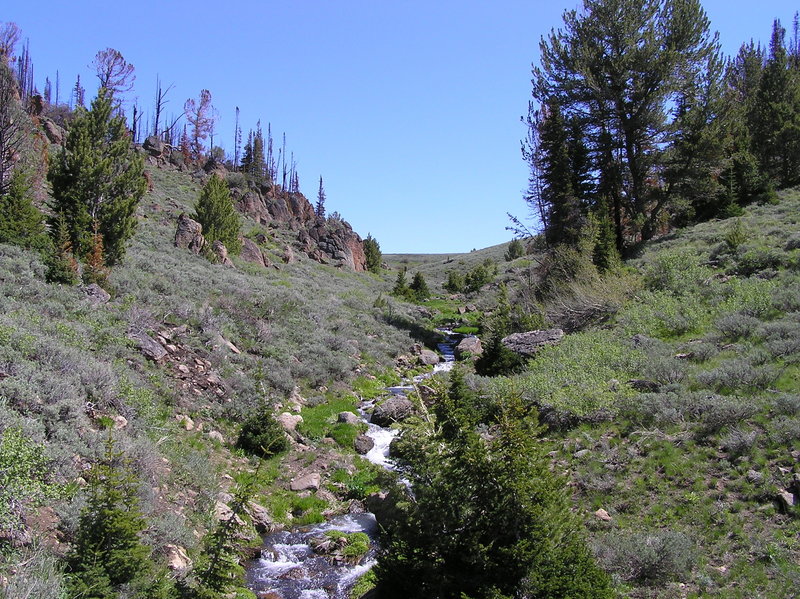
<point x="515" y="250"/>
<point x="676" y="272"/>
<point x="754" y="259"/>
<point x="647" y="557"/>
<point x="262" y="435"/>
<point x="215" y="211"/>
<point x="736" y="235"/>
<point x="739" y="442"/>
<point x="737" y="326"/>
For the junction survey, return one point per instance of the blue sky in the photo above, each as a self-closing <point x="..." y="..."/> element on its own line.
<point x="410" y="110"/>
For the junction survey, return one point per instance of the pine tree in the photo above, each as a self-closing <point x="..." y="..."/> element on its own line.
<point x="564" y="218"/>
<point x="200" y="115"/>
<point x="62" y="267"/>
<point x="107" y="551"/>
<point x="515" y="250"/>
<point x="98" y="177"/>
<point x="21" y="223"/>
<point x="488" y="518"/>
<point x="319" y="209"/>
<point x="419" y="287"/>
<point x="216" y="212"/>
<point x="372" y="253"/>
<point x="400" y="288"/>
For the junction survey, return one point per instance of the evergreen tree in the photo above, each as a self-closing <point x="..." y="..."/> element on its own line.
<point x="200" y="115"/>
<point x="401" y="285"/>
<point x="419" y="287"/>
<point x="496" y="358"/>
<point x="319" y="210"/>
<point x="776" y="122"/>
<point x="62" y="267"/>
<point x="372" y="253"/>
<point x="216" y="212"/>
<point x="21" y="223"/>
<point x="488" y="518"/>
<point x="515" y="250"/>
<point x="107" y="551"/>
<point x="455" y="282"/>
<point x="98" y="177"/>
<point x="564" y="218"/>
<point x="95" y="270"/>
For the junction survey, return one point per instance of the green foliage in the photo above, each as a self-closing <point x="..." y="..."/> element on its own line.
<point x="419" y="288"/>
<point x="218" y="570"/>
<point x="497" y="358"/>
<point x="676" y="272"/>
<point x="321" y="421"/>
<point x="372" y="252"/>
<point x="24" y="477"/>
<point x="480" y="275"/>
<point x="21" y="223"/>
<point x="98" y="177"/>
<point x="735" y="235"/>
<point x="107" y="551"/>
<point x="261" y="434"/>
<point x="455" y="282"/>
<point x="515" y="250"/>
<point x="61" y="264"/>
<point x="489" y="518"/>
<point x="216" y="212"/>
<point x="400" y="288"/>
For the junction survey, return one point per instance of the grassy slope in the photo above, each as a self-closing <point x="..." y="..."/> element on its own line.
<point x="690" y="473"/>
<point x="68" y="368"/>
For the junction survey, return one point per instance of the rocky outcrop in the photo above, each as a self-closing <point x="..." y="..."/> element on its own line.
<point x="154" y="146"/>
<point x="55" y="133"/>
<point x="221" y="252"/>
<point x="527" y="344"/>
<point x="468" y="346"/>
<point x="392" y="410"/>
<point x="252" y="253"/>
<point x="189" y="234"/>
<point x="148" y="346"/>
<point x="335" y="241"/>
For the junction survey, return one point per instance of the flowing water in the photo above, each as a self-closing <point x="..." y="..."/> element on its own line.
<point x="289" y="568"/>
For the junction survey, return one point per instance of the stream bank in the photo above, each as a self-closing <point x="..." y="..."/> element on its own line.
<point x="288" y="567"/>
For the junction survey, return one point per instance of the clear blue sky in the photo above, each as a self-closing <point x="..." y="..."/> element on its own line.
<point x="409" y="110"/>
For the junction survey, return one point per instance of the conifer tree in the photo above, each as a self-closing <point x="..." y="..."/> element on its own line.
<point x="95" y="270"/>
<point x="107" y="551"/>
<point x="488" y="518"/>
<point x="200" y="115"/>
<point x="216" y="212"/>
<point x="319" y="209"/>
<point x="400" y="288"/>
<point x="21" y="223"/>
<point x="419" y="287"/>
<point x="98" y="177"/>
<point x="372" y="253"/>
<point x="62" y="267"/>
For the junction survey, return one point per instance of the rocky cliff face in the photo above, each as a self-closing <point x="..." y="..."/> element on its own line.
<point x="328" y="241"/>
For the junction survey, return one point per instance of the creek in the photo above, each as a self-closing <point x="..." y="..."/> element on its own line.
<point x="288" y="567"/>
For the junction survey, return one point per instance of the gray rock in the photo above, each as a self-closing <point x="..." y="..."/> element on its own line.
<point x="154" y="146"/>
<point x="306" y="482"/>
<point x="348" y="418"/>
<point x="221" y="252"/>
<point x="428" y="357"/>
<point x="289" y="421"/>
<point x="148" y="346"/>
<point x="468" y="345"/>
<point x="262" y="521"/>
<point x="189" y="234"/>
<point x="363" y="444"/>
<point x="252" y="253"/>
<point x="392" y="410"/>
<point x="96" y="294"/>
<point x="528" y="343"/>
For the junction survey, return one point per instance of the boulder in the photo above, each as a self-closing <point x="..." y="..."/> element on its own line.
<point x="224" y="513"/>
<point x="348" y="418"/>
<point x="428" y="357"/>
<point x="96" y="294"/>
<point x="216" y="436"/>
<point x="154" y="146"/>
<point x="288" y="255"/>
<point x="528" y="343"/>
<point x="148" y="346"/>
<point x="392" y="410"/>
<point x="189" y="234"/>
<point x="603" y="515"/>
<point x="262" y="521"/>
<point x="644" y="386"/>
<point x="186" y="422"/>
<point x="177" y="558"/>
<point x="468" y="346"/>
<point x="221" y="252"/>
<point x="252" y="253"/>
<point x="289" y="421"/>
<point x="307" y="482"/>
<point x="363" y="444"/>
<point x="54" y="133"/>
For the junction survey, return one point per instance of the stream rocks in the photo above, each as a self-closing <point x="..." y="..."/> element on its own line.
<point x="428" y="357"/>
<point x="528" y="343"/>
<point x="468" y="346"/>
<point x="362" y="444"/>
<point x="392" y="410"/>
